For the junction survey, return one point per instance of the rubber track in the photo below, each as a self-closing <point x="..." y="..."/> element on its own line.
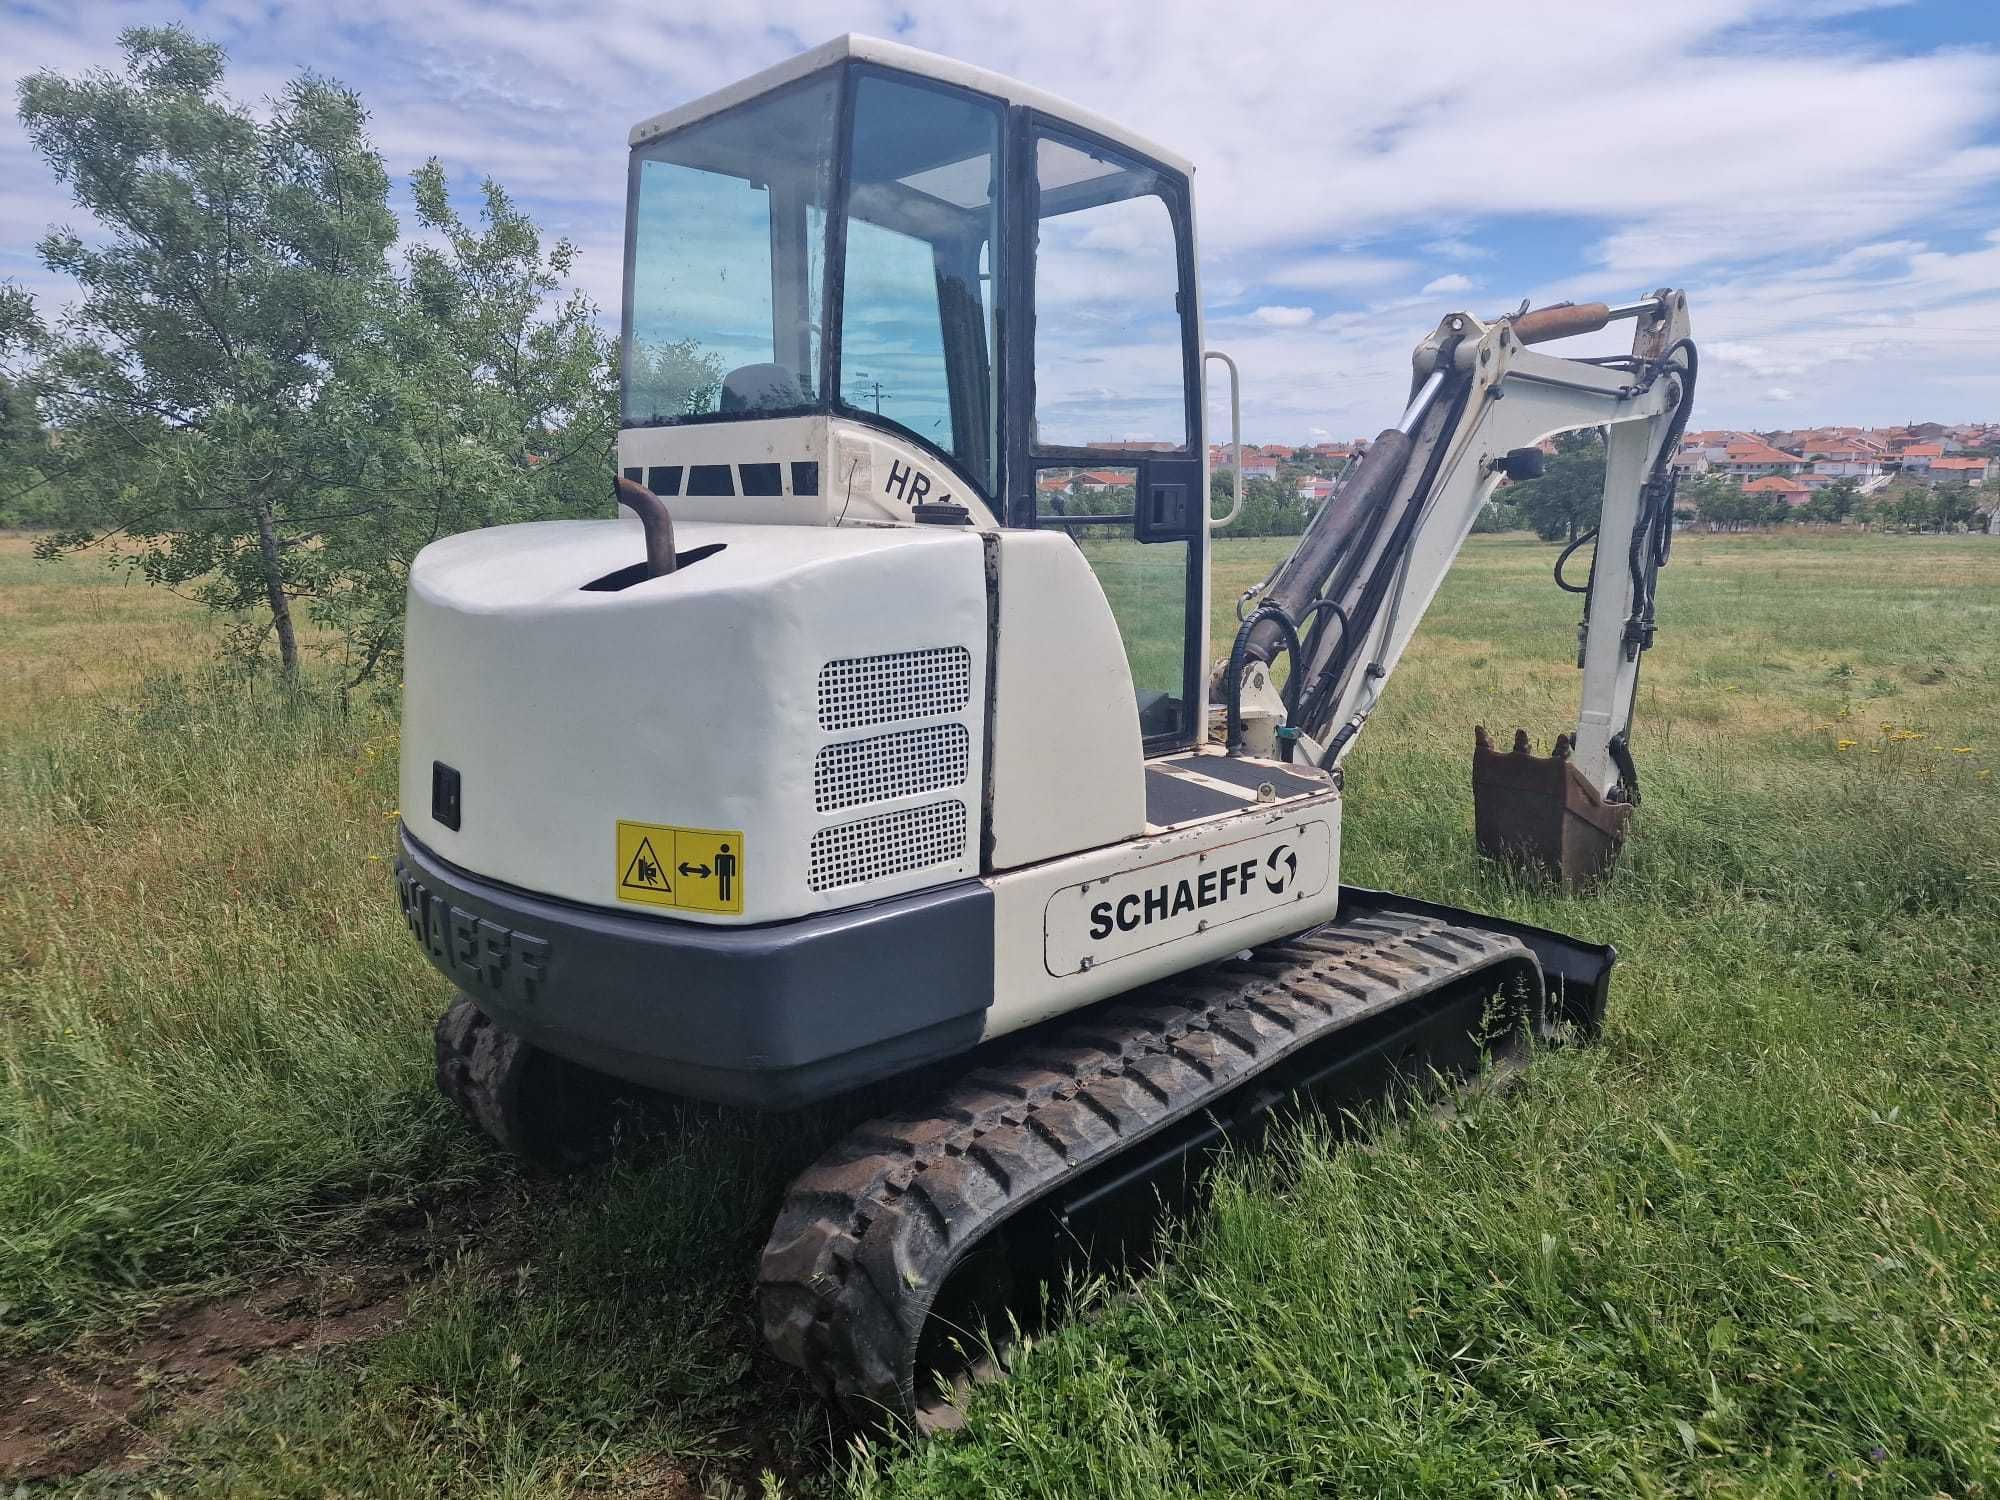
<point x="479" y="1069"/>
<point x="870" y="1232"/>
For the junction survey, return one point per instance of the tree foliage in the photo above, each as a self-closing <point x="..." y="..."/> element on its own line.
<point x="1913" y="505"/>
<point x="264" y="408"/>
<point x="1566" y="501"/>
<point x="197" y="379"/>
<point x="495" y="404"/>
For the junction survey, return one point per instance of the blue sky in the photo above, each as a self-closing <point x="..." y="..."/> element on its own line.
<point x="1823" y="177"/>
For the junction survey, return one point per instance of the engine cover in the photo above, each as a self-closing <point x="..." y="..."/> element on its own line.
<point x="790" y="722"/>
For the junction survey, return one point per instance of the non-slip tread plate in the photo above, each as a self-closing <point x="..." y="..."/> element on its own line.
<point x="1174" y="799"/>
<point x="1251" y="774"/>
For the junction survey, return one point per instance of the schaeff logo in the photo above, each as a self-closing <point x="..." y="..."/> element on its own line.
<point x="1172" y="898"/>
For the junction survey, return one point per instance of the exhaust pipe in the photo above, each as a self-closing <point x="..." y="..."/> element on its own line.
<point x="654" y="516"/>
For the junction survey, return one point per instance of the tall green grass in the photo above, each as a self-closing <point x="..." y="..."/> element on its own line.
<point x="1746" y="1245"/>
<point x="212" y="1028"/>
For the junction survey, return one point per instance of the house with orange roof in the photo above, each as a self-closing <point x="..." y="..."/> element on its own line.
<point x="1256" y="465"/>
<point x="1096" y="481"/>
<point x="1954" y="470"/>
<point x="1748" y="458"/>
<point x="1844" y="462"/>
<point x="1794" y="492"/>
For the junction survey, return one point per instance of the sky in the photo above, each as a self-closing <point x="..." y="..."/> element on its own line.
<point x="1822" y="176"/>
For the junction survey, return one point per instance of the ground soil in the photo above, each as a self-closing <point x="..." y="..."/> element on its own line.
<point x="98" y="1404"/>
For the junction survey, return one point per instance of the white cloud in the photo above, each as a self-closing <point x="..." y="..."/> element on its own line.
<point x="1452" y="247"/>
<point x="1799" y="183"/>
<point x="1328" y="273"/>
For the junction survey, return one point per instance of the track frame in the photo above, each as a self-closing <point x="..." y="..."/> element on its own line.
<point x="890" y="1264"/>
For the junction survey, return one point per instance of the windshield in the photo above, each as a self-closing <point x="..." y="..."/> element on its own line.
<point x="727" y="288"/>
<point x="727" y="272"/>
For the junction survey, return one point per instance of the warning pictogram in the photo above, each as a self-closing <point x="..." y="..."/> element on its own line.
<point x="645" y="872"/>
<point x="694" y="869"/>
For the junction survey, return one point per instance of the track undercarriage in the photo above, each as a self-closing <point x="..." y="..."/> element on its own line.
<point x="908" y="1250"/>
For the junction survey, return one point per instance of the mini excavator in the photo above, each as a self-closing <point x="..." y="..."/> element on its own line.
<point x="881" y="728"/>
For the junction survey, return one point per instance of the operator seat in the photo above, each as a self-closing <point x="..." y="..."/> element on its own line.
<point x="760" y="388"/>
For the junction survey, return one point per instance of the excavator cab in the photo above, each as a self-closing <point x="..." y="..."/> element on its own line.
<point x="869" y="250"/>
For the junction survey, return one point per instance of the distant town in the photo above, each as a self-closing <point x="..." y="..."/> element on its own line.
<point x="1920" y="476"/>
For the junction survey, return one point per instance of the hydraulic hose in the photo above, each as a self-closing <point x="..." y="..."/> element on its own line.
<point x="1317" y="700"/>
<point x="1239" y="654"/>
<point x="1340" y="533"/>
<point x="1567" y="553"/>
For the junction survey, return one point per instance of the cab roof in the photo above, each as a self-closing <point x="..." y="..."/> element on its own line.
<point x="908" y="60"/>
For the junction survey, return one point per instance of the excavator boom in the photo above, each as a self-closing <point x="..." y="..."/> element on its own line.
<point x="1347" y="600"/>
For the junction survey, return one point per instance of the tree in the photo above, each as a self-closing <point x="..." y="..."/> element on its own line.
<point x="1494" y="516"/>
<point x="266" y="407"/>
<point x="674" y="379"/>
<point x="1720" y="503"/>
<point x="1569" y="497"/>
<point x="1270" y="508"/>
<point x="1912" y="505"/>
<point x="492" y="405"/>
<point x="1834" y="504"/>
<point x="196" y="379"/>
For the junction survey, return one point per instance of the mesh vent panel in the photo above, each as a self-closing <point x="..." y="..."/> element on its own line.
<point x="850" y="853"/>
<point x="902" y="685"/>
<point x="890" y="765"/>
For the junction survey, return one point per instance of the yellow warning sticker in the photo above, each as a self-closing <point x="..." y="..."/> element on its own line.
<point x="694" y="869"/>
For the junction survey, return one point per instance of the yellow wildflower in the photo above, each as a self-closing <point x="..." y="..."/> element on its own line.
<point x="1845" y="744"/>
<point x="1961" y="749"/>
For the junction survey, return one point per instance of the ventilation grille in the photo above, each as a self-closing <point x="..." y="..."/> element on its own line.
<point x="867" y="690"/>
<point x="850" y="853"/>
<point x="890" y="765"/>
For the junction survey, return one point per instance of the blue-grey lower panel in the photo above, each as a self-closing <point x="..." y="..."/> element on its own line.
<point x="772" y="1016"/>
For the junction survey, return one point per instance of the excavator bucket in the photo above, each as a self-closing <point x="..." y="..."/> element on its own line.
<point x="1541" y="814"/>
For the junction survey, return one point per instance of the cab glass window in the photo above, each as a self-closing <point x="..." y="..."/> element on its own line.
<point x="1110" y="351"/>
<point x="726" y="266"/>
<point x="917" y="333"/>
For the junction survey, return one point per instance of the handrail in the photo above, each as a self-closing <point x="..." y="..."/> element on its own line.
<point x="1235" y="433"/>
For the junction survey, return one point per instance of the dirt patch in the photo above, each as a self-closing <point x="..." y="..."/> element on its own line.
<point x="94" y="1405"/>
<point x="116" y="1400"/>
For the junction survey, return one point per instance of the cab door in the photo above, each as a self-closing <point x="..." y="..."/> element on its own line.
<point x="1106" y="371"/>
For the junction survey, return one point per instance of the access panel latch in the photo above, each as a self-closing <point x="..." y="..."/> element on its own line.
<point x="1169" y="500"/>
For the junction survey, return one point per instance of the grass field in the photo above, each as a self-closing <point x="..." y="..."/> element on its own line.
<point x="1749" y="1245"/>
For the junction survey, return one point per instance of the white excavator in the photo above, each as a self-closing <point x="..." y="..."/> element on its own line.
<point x="883" y="726"/>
